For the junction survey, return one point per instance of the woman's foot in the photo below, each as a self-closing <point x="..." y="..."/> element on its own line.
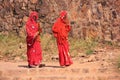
<point x="68" y="64"/>
<point x="31" y="66"/>
<point x="41" y="65"/>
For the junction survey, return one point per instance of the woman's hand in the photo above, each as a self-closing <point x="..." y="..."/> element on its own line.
<point x="37" y="33"/>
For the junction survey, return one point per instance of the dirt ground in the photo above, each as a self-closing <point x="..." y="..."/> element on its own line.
<point x="102" y="65"/>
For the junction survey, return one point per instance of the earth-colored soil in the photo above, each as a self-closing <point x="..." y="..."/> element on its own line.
<point x="102" y="65"/>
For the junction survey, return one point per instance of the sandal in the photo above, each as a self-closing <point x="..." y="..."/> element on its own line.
<point x="41" y="65"/>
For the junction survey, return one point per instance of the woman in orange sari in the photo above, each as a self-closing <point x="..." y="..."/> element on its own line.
<point x="34" y="51"/>
<point x="61" y="29"/>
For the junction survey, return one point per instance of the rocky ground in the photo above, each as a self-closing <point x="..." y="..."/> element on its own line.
<point x="102" y="65"/>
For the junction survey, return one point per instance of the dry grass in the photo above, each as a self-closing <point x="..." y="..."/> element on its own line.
<point x="12" y="46"/>
<point x="49" y="47"/>
<point x="82" y="46"/>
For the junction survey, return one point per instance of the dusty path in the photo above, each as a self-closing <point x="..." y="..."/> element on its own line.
<point x="99" y="66"/>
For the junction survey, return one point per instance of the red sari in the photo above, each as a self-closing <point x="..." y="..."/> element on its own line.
<point x="61" y="30"/>
<point x="34" y="52"/>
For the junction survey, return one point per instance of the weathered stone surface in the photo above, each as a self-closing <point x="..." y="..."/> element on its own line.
<point x="103" y="16"/>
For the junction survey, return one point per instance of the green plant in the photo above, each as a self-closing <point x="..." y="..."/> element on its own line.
<point x="88" y="52"/>
<point x="79" y="45"/>
<point x="108" y="43"/>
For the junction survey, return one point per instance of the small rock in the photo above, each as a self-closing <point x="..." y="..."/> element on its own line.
<point x="33" y="1"/>
<point x="75" y="70"/>
<point x="25" y="18"/>
<point x="55" y="58"/>
<point x="82" y="54"/>
<point x="17" y="59"/>
<point x="102" y="70"/>
<point x="92" y="58"/>
<point x="85" y="70"/>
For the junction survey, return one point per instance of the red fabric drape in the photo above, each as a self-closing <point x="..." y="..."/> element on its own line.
<point x="61" y="30"/>
<point x="34" y="51"/>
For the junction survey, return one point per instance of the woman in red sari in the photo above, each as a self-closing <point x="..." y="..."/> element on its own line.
<point x="61" y="29"/>
<point x="33" y="30"/>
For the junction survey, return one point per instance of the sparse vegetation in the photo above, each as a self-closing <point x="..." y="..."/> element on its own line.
<point x="88" y="52"/>
<point x="12" y="46"/>
<point x="49" y="46"/>
<point x="86" y="46"/>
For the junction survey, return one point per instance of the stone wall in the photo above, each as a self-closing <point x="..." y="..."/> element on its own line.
<point x="89" y="18"/>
